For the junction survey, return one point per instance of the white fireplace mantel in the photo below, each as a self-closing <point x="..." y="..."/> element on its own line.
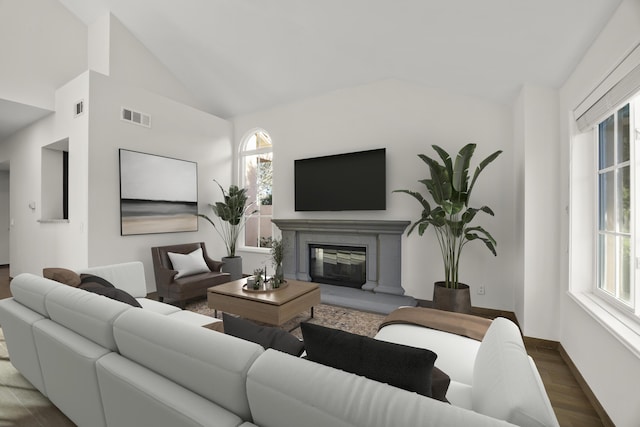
<point x="382" y="240"/>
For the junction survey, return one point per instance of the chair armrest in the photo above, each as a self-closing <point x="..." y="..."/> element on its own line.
<point x="213" y="264"/>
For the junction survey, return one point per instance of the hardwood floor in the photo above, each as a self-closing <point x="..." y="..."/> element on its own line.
<point x="570" y="403"/>
<point x="4" y="282"/>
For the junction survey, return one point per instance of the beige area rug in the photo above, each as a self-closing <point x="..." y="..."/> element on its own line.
<point x="346" y="319"/>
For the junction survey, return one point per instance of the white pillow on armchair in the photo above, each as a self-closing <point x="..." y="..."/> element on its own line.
<point x="188" y="264"/>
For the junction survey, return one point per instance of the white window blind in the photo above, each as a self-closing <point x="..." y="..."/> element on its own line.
<point x="617" y="87"/>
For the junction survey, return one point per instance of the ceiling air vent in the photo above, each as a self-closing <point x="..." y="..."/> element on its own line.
<point x="78" y="108"/>
<point x="135" y="117"/>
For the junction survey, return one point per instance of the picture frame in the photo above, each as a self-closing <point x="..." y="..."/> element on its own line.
<point x="158" y="194"/>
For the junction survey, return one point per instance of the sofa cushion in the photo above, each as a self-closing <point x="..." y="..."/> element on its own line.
<point x="402" y="366"/>
<point x="267" y="337"/>
<point x="69" y="371"/>
<point x="87" y="314"/>
<point x="188" y="264"/>
<point x="17" y="327"/>
<point x="31" y="291"/>
<point x="62" y="275"/>
<point x="288" y="391"/>
<point x="211" y="364"/>
<point x="506" y="384"/>
<point x="157" y="306"/>
<point x="136" y="396"/>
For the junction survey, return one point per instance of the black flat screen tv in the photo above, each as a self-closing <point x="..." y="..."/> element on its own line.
<point x="342" y="182"/>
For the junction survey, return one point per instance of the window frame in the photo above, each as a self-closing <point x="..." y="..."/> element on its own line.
<point x="243" y="153"/>
<point x="632" y="310"/>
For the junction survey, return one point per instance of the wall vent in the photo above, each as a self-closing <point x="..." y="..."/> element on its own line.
<point x="78" y="108"/>
<point x="135" y="117"/>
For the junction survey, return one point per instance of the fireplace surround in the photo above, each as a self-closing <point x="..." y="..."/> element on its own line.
<point x="382" y="243"/>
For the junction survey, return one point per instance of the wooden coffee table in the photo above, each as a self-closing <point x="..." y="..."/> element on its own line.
<point x="274" y="307"/>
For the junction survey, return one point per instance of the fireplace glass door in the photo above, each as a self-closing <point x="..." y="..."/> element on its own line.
<point x="338" y="265"/>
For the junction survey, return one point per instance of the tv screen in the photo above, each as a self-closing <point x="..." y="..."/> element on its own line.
<point x="342" y="182"/>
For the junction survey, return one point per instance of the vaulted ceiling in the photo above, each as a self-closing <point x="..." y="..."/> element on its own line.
<point x="240" y="56"/>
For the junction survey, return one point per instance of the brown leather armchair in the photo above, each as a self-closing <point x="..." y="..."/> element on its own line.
<point x="185" y="287"/>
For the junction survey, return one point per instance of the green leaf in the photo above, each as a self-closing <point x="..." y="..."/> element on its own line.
<point x="483" y="164"/>
<point x="446" y="159"/>
<point x="487" y="209"/>
<point x="418" y="197"/>
<point x="488" y="243"/>
<point x="456" y="207"/>
<point x="423" y="226"/>
<point x="439" y="185"/>
<point x="482" y="231"/>
<point x="456" y="227"/>
<point x="461" y="168"/>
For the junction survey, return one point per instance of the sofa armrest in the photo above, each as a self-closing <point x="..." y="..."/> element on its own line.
<point x="506" y="384"/>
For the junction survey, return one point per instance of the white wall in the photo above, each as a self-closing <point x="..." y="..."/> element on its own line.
<point x="43" y="47"/>
<point x="536" y="139"/>
<point x="35" y="245"/>
<point x="406" y="120"/>
<point x="4" y="217"/>
<point x="609" y="367"/>
<point x="92" y="234"/>
<point x="177" y="131"/>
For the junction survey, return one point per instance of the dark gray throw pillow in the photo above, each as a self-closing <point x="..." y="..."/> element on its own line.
<point x="439" y="385"/>
<point x="100" y="286"/>
<point x="401" y="366"/>
<point x="266" y="336"/>
<point x="90" y="278"/>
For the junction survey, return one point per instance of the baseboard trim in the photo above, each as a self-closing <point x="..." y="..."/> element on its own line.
<point x="585" y="388"/>
<point x="540" y="343"/>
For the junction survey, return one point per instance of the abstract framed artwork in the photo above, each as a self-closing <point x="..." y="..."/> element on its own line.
<point x="157" y="194"/>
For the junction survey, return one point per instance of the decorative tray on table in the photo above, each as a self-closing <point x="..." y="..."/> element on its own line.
<point x="264" y="288"/>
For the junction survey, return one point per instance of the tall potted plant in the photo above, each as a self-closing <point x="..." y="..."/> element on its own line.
<point x="451" y="217"/>
<point x="232" y="213"/>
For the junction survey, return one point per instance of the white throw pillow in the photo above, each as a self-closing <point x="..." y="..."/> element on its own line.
<point x="186" y="265"/>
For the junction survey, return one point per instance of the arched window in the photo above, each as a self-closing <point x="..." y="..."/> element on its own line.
<point x="256" y="174"/>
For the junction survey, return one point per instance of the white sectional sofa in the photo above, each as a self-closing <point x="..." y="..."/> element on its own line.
<point x="494" y="376"/>
<point x="106" y="363"/>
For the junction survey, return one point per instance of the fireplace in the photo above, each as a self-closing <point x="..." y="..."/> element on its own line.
<point x="381" y="240"/>
<point x="338" y="265"/>
<point x="374" y="257"/>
